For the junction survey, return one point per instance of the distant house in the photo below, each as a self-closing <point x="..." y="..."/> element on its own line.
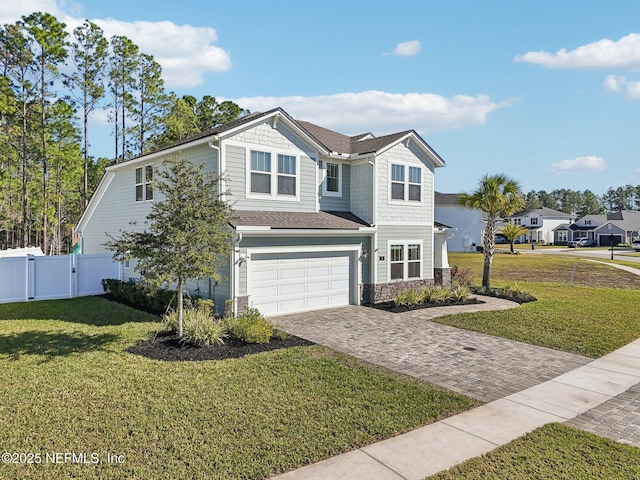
<point x="321" y="219"/>
<point x="469" y="223"/>
<point x="542" y="224"/>
<point x="617" y="227"/>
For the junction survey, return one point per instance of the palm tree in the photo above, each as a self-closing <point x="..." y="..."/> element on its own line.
<point x="498" y="196"/>
<point x="512" y="232"/>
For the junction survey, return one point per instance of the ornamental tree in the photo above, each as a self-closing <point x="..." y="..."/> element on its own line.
<point x="188" y="235"/>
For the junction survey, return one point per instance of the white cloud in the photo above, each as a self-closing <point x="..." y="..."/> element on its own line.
<point x="407" y="49"/>
<point x="579" y="165"/>
<point x="186" y="53"/>
<point x="381" y="112"/>
<point x="605" y="53"/>
<point x="619" y="83"/>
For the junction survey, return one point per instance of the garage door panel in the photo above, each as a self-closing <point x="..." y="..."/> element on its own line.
<point x="290" y="282"/>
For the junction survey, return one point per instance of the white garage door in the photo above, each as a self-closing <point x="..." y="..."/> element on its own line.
<point x="286" y="283"/>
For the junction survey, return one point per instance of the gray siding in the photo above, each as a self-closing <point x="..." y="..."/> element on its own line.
<point x="404" y="232"/>
<point x="236" y="177"/>
<point x="361" y="191"/>
<point x="337" y="204"/>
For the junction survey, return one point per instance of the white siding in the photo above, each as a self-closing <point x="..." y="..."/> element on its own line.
<point x="468" y="223"/>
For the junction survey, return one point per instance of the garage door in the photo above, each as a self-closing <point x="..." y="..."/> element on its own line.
<point x="286" y="283"/>
<point x="605" y="240"/>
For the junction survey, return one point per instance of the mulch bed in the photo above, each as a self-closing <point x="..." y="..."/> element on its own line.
<point x="390" y="306"/>
<point x="166" y="346"/>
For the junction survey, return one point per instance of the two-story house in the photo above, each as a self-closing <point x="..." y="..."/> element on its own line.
<point x="321" y="219"/>
<point x="606" y="229"/>
<point x="542" y="224"/>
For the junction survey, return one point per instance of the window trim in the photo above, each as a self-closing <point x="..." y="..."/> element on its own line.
<point x="405" y="259"/>
<point x="274" y="174"/>
<point x="144" y="184"/>
<point x="325" y="176"/>
<point x="406" y="183"/>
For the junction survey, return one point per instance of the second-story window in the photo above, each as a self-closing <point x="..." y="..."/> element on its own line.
<point x="406" y="183"/>
<point x="286" y="175"/>
<point x="333" y="177"/>
<point x="144" y="183"/>
<point x="260" y="172"/>
<point x="397" y="182"/>
<point x="534" y="221"/>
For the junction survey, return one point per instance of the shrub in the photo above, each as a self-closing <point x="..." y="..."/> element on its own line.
<point x="142" y="296"/>
<point x="437" y="294"/>
<point x="250" y="327"/>
<point x="460" y="293"/>
<point x="408" y="297"/>
<point x="200" y="328"/>
<point x="461" y="276"/>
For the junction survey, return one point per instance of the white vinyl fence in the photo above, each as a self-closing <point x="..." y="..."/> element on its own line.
<point x="32" y="277"/>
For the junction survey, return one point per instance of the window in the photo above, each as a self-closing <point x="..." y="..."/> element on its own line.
<point x="563" y="236"/>
<point x="332" y="183"/>
<point x="277" y="178"/>
<point x="534" y="221"/>
<point x="286" y="175"/>
<point x="517" y="221"/>
<point x="405" y="260"/>
<point x="406" y="187"/>
<point x="415" y="183"/>
<point x="587" y="222"/>
<point x="144" y="183"/>
<point x="397" y="182"/>
<point x="260" y="172"/>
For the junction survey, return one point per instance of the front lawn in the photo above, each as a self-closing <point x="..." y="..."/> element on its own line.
<point x="69" y="387"/>
<point x="552" y="452"/>
<point x="577" y="310"/>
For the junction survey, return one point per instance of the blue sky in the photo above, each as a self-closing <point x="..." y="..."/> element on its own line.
<point x="546" y="92"/>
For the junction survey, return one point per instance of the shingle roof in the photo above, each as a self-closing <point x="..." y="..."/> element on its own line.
<point x="544" y="211"/>
<point x="447" y="198"/>
<point x="295" y="220"/>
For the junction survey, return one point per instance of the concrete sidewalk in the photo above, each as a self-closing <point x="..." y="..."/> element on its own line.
<point x="439" y="446"/>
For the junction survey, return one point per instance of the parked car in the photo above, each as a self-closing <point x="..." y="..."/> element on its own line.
<point x="500" y="238"/>
<point x="636" y="245"/>
<point x="582" y="242"/>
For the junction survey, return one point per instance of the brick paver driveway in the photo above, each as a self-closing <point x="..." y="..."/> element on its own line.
<point x="478" y="365"/>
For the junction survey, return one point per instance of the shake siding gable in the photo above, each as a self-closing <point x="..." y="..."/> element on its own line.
<point x="237" y="151"/>
<point x="404" y="211"/>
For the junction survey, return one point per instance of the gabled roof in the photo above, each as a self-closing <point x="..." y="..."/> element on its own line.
<point x="543" y="212"/>
<point x="447" y="199"/>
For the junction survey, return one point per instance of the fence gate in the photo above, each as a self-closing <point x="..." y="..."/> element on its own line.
<point x="53" y="277"/>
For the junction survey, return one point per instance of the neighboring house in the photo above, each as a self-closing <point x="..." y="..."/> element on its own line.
<point x="468" y="223"/>
<point x="617" y="227"/>
<point x="542" y="224"/>
<point x="321" y="219"/>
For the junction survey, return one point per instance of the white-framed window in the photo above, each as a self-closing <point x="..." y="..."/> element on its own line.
<point x="517" y="221"/>
<point x="534" y="221"/>
<point x="563" y="236"/>
<point x="587" y="222"/>
<point x="286" y="174"/>
<point x="278" y="179"/>
<point x="405" y="260"/>
<point x="406" y="183"/>
<point x="144" y="183"/>
<point x="332" y="185"/>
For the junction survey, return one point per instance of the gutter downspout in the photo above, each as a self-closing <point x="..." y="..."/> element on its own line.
<point x="221" y="186"/>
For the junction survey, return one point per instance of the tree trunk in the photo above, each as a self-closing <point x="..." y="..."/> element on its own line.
<point x="180" y="308"/>
<point x="489" y="248"/>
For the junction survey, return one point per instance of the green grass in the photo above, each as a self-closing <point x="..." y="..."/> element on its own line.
<point x="68" y="386"/>
<point x="552" y="452"/>
<point x="586" y="318"/>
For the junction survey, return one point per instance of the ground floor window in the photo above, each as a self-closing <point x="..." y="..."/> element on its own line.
<point x="563" y="236"/>
<point x="405" y="260"/>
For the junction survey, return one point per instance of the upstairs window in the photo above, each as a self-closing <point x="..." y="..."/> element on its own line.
<point x="406" y="183"/>
<point x="332" y="185"/>
<point x="397" y="182"/>
<point x="144" y="183"/>
<point x="534" y="221"/>
<point x="260" y="172"/>
<point x="286" y="175"/>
